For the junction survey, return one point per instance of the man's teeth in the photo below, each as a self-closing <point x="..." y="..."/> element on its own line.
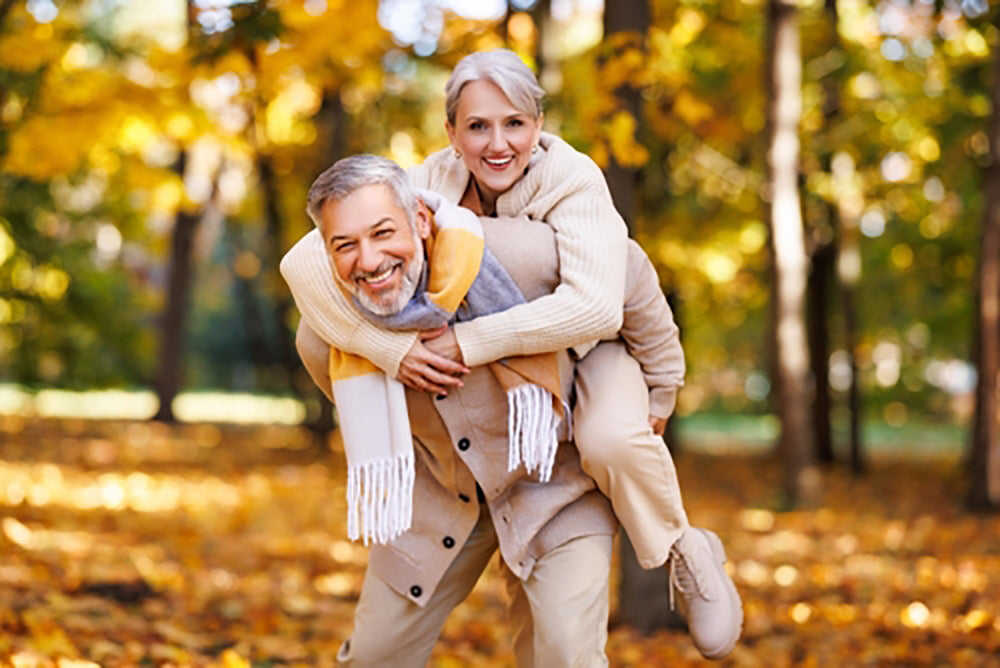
<point x="499" y="161"/>
<point x="381" y="277"/>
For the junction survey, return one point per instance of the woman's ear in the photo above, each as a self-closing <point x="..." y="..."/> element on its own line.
<point x="538" y="127"/>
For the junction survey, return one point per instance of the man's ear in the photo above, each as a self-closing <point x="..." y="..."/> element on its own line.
<point x="423" y="219"/>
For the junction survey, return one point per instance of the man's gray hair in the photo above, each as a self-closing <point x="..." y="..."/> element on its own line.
<point x="357" y="171"/>
<point x="505" y="70"/>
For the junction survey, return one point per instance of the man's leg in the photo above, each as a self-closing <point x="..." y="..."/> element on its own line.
<point x="559" y="615"/>
<point x="390" y="630"/>
<point x="619" y="450"/>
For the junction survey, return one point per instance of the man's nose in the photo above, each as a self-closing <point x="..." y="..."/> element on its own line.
<point x="369" y="258"/>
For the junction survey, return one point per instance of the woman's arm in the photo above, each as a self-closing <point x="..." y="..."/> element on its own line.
<point x="328" y="313"/>
<point x="566" y="190"/>
<point x="651" y="335"/>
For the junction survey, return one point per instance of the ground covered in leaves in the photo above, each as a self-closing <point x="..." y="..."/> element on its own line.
<point x="125" y="543"/>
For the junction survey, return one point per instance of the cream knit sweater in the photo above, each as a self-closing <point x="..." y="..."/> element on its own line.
<point x="564" y="188"/>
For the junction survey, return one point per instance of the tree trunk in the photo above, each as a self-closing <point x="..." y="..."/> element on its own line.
<point x="172" y="320"/>
<point x="540" y="13"/>
<point x="820" y="275"/>
<point x="281" y="303"/>
<point x="644" y="599"/>
<point x="800" y="479"/>
<point x="643" y="596"/>
<point x="984" y="488"/>
<point x="248" y="302"/>
<point x="857" y="453"/>
<point x="626" y="16"/>
<point x="5" y="7"/>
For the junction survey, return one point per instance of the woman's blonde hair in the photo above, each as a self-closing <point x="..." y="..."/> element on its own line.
<point x="505" y="70"/>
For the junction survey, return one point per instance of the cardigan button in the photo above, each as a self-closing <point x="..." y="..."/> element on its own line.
<point x="448" y="542"/>
<point x="416" y="591"/>
<point x="463" y="444"/>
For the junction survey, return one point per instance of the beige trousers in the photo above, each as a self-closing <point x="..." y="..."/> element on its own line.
<point x="559" y="615"/>
<point x="619" y="450"/>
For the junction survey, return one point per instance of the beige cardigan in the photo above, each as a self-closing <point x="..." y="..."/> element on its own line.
<point x="564" y="188"/>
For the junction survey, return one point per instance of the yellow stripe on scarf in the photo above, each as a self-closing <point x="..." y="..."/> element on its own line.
<point x="345" y="365"/>
<point x="455" y="257"/>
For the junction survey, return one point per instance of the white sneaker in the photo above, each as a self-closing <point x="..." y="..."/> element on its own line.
<point x="708" y="595"/>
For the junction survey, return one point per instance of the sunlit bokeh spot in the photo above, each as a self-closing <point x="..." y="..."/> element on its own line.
<point x="786" y="575"/>
<point x="801" y="613"/>
<point x="915" y="615"/>
<point x="752" y="572"/>
<point x="757" y="519"/>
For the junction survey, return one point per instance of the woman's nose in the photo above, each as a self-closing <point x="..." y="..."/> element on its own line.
<point x="497" y="139"/>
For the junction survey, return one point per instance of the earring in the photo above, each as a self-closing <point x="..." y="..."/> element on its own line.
<point x="534" y="149"/>
<point x="458" y="154"/>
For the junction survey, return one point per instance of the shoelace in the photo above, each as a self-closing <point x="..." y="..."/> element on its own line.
<point x="684" y="581"/>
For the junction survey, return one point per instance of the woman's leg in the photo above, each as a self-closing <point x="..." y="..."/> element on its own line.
<point x="634" y="469"/>
<point x="619" y="450"/>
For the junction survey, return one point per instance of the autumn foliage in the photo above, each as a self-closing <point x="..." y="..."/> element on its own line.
<point x="125" y="543"/>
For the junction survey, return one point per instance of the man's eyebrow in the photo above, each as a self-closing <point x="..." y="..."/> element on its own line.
<point x="338" y="237"/>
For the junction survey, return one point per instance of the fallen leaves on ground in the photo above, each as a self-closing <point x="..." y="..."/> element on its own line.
<point x="129" y="543"/>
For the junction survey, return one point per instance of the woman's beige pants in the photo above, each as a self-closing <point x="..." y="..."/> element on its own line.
<point x="619" y="450"/>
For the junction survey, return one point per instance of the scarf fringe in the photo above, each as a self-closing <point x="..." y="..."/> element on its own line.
<point x="380" y="499"/>
<point x="532" y="428"/>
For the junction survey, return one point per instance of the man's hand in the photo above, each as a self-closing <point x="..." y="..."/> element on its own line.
<point x="427" y="371"/>
<point x="443" y="343"/>
<point x="659" y="425"/>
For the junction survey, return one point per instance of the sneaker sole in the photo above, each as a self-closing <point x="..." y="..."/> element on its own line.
<point x="719" y="552"/>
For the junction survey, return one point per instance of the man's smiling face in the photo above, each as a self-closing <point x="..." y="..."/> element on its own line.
<point x="377" y="255"/>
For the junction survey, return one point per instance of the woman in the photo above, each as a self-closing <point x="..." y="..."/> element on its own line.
<point x="501" y="163"/>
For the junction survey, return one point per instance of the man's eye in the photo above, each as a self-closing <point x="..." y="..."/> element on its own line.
<point x="383" y="233"/>
<point x="343" y="248"/>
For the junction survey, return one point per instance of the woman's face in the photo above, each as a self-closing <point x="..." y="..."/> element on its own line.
<point x="494" y="138"/>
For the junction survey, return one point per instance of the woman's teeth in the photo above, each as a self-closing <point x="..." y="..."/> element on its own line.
<point x="499" y="162"/>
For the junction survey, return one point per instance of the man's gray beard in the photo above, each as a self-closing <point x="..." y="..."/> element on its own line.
<point x="411" y="279"/>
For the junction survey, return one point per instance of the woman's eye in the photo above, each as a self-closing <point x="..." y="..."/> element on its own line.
<point x="515" y="122"/>
<point x="477" y="126"/>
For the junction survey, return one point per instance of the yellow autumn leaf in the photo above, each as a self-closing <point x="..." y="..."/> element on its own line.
<point x="691" y="109"/>
<point x="230" y="659"/>
<point x="44" y="147"/>
<point x="621" y="136"/>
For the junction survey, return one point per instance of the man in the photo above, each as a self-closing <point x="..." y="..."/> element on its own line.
<point x="555" y="537"/>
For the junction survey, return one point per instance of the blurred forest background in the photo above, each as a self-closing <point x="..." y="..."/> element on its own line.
<point x="815" y="180"/>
